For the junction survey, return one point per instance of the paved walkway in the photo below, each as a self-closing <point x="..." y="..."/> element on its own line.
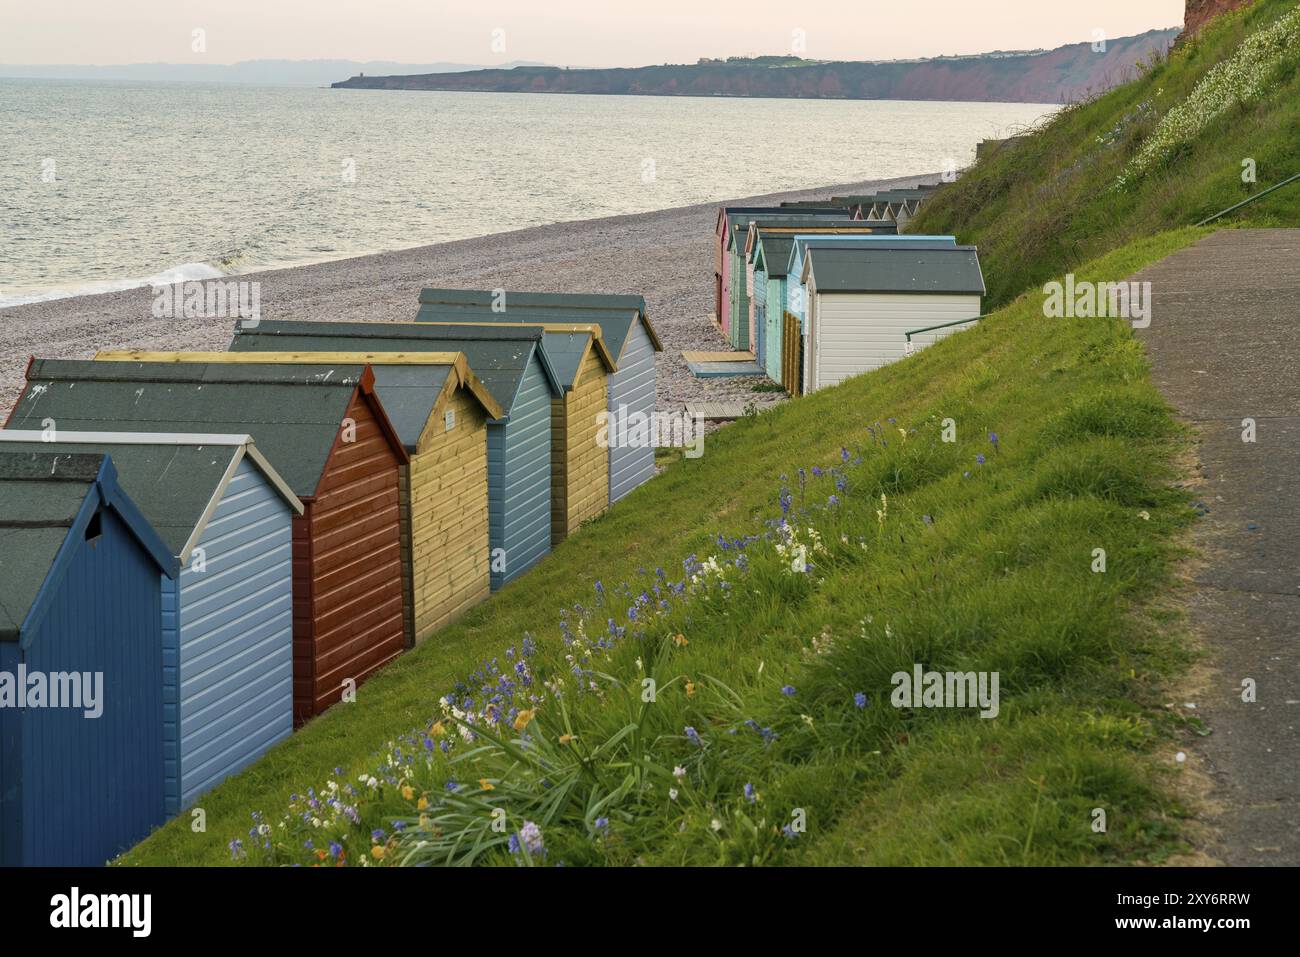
<point x="1224" y="343"/>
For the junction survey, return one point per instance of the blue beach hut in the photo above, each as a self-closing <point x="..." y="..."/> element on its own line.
<point x="227" y="619"/>
<point x="80" y="624"/>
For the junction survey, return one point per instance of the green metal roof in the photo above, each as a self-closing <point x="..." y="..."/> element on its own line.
<point x="292" y="411"/>
<point x="40" y="497"/>
<point x="499" y="357"/>
<point x="896" y="268"/>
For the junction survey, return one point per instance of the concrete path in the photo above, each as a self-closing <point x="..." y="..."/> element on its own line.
<point x="1224" y="343"/>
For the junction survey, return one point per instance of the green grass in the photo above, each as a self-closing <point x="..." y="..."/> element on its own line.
<point x="998" y="578"/>
<point x="1047" y="204"/>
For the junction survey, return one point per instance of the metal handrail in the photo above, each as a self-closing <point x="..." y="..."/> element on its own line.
<point x="942" y="325"/>
<point x="1249" y="200"/>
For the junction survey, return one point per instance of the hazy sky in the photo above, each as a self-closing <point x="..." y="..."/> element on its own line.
<point x="563" y="32"/>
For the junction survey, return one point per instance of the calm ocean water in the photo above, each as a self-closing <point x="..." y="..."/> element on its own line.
<point x="109" y="185"/>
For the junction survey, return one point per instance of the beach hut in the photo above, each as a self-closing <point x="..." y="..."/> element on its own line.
<point x="728" y="217"/>
<point x="626" y="332"/>
<point x="227" y="619"/>
<point x="325" y="432"/>
<point x="439" y="410"/>
<point x="81" y="660"/>
<point x="861" y="301"/>
<point x="755" y="286"/>
<point x="511" y="363"/>
<point x="794" y="327"/>
<point x="771" y="257"/>
<point x="579" y="462"/>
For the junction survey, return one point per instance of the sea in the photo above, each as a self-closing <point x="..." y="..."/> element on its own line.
<point x="106" y="185"/>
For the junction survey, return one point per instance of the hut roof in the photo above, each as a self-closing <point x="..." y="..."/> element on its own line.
<point x="42" y="497"/>
<point x="897" y="267"/>
<point x="615" y="314"/>
<point x="175" y="480"/>
<point x="565" y="344"/>
<point x="294" y="411"/>
<point x="498" y="356"/>
<point x="416" y="383"/>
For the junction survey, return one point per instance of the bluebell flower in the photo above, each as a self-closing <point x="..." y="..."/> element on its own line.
<point x="860" y="699"/>
<point x="980" y="458"/>
<point x="788" y="691"/>
<point x="750" y="795"/>
<point x="694" y="736"/>
<point x="602" y="824"/>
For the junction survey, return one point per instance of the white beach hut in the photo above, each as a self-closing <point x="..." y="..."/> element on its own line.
<point x="863" y="300"/>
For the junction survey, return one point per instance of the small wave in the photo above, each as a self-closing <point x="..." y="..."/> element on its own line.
<point x="184" y="273"/>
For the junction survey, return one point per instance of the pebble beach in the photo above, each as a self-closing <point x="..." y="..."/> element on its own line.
<point x="666" y="255"/>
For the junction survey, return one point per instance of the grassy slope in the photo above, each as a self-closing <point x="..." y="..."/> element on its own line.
<point x="1001" y="579"/>
<point x="1044" y="206"/>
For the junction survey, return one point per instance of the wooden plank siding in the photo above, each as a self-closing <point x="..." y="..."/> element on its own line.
<point x="449" y="517"/>
<point x="348" y="575"/>
<point x="852" y="333"/>
<point x="519" y="477"/>
<point x="227" y="655"/>
<point x="77" y="792"/>
<point x="631" y="392"/>
<point x="579" y="466"/>
<point x="792" y="354"/>
<point x="773" y="327"/>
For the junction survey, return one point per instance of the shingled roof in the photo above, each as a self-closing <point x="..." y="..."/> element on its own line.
<point x="42" y="497"/>
<point x="293" y="411"/>
<point x="175" y="480"/>
<point x="615" y="314"/>
<point x="895" y="267"/>
<point x="499" y="356"/>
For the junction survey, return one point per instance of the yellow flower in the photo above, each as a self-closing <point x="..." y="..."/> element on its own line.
<point x="525" y="716"/>
<point x="378" y="852"/>
<point x="422" y="803"/>
<point x="424" y="821"/>
<point x="568" y="738"/>
<point x="690" y="689"/>
<point x="408" y="792"/>
<point x="680" y="640"/>
<point x="486" y="785"/>
<point x="437" y="730"/>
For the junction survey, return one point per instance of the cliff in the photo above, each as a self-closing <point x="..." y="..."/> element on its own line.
<point x="1201" y="12"/>
<point x="1056" y="76"/>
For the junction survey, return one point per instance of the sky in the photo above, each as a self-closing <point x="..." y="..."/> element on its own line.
<point x="561" y="32"/>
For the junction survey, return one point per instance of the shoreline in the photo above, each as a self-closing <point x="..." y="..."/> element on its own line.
<point x="665" y="255"/>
